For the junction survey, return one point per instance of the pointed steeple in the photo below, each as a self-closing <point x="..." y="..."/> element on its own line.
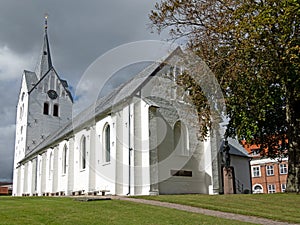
<point x="45" y="62"/>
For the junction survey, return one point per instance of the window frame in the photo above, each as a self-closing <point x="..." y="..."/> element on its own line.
<point x="106" y="143"/>
<point x="260" y="188"/>
<point x="253" y="172"/>
<point x="46" y="108"/>
<point x="82" y="156"/>
<point x="283" y="168"/>
<point x="270" y="170"/>
<point x="271" y="188"/>
<point x="56" y="110"/>
<point x="64" y="160"/>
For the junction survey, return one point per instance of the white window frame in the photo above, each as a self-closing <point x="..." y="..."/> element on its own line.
<point x="283" y="169"/>
<point x="283" y="187"/>
<point x="270" y="170"/>
<point x="254" y="172"/>
<point x="64" y="160"/>
<point x="83" y="153"/>
<point x="271" y="188"/>
<point x="106" y="141"/>
<point x="255" y="190"/>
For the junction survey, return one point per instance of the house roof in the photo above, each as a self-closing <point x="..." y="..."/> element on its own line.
<point x="236" y="148"/>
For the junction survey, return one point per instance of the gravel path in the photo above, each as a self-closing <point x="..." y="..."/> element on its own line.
<point x="232" y="216"/>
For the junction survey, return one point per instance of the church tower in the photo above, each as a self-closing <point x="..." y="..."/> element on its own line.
<point x="44" y="106"/>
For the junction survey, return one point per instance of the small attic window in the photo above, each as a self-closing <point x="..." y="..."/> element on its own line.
<point x="45" y="53"/>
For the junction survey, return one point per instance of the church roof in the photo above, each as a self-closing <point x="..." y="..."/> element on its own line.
<point x="104" y="105"/>
<point x="45" y="61"/>
<point x="30" y="79"/>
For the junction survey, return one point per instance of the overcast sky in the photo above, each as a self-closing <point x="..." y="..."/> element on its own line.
<point x="79" y="32"/>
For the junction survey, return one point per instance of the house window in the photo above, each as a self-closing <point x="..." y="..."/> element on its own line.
<point x="257" y="189"/>
<point x="83" y="153"/>
<point x="64" y="160"/>
<point x="55" y="110"/>
<point x="46" y="108"/>
<point x="271" y="188"/>
<point x="283" y="169"/>
<point x="283" y="187"/>
<point x="255" y="152"/>
<point x="255" y="171"/>
<point x="180" y="139"/>
<point x="270" y="170"/>
<point x="106" y="142"/>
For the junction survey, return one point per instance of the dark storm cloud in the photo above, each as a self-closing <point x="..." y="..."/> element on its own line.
<point x="79" y="32"/>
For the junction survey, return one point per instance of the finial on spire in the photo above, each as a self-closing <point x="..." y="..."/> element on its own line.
<point x="46" y="21"/>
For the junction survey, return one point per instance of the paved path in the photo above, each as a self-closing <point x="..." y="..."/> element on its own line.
<point x="232" y="216"/>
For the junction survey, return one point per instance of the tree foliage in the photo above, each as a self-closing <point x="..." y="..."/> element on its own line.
<point x="253" y="48"/>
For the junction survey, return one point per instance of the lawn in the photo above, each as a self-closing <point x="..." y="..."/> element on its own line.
<point x="54" y="210"/>
<point x="282" y="207"/>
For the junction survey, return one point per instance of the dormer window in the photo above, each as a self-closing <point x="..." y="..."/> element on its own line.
<point x="46" y="108"/>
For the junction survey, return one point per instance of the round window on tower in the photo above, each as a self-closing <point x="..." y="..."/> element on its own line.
<point x="52" y="94"/>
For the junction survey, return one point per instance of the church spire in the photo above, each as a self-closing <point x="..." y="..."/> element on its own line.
<point x="45" y="62"/>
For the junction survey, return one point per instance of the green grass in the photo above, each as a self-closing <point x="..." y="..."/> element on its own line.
<point x="51" y="210"/>
<point x="282" y="207"/>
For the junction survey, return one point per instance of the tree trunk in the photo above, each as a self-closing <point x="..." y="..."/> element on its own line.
<point x="293" y="120"/>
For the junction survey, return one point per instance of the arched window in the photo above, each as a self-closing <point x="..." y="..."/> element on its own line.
<point x="64" y="160"/>
<point x="83" y="152"/>
<point x="180" y="139"/>
<point x="106" y="142"/>
<point x="55" y="110"/>
<point x="257" y="188"/>
<point x="46" y="108"/>
<point x="50" y="165"/>
<point x="40" y="167"/>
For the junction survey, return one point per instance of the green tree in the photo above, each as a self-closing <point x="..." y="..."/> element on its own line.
<point x="253" y="47"/>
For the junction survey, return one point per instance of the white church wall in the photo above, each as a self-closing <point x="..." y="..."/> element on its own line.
<point x="20" y="134"/>
<point x="44" y="173"/>
<point x="92" y="160"/>
<point x="63" y="177"/>
<point x="105" y="171"/>
<point x="141" y="148"/>
<point x="81" y="171"/>
<point x="39" y="175"/>
<point x="119" y="153"/>
<point x="49" y="171"/>
<point x="70" y="168"/>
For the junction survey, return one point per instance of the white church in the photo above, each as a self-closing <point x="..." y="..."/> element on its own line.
<point x="140" y="139"/>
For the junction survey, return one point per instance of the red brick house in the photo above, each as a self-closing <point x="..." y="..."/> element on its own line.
<point x="5" y="188"/>
<point x="268" y="175"/>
